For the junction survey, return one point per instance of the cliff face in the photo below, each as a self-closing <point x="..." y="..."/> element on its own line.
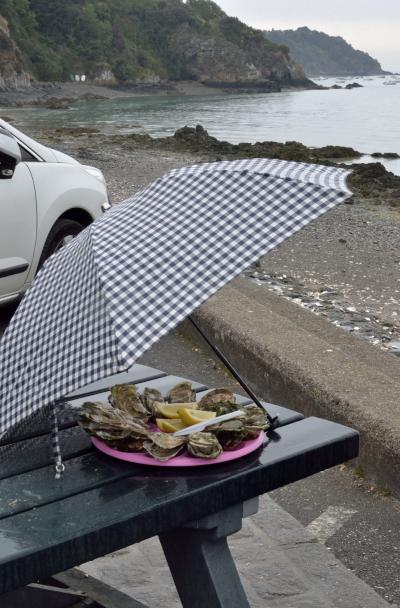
<point x="12" y="75"/>
<point x="142" y="41"/>
<point x="216" y="60"/>
<point x="323" y="55"/>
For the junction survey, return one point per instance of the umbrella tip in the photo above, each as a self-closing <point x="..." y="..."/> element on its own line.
<point x="274" y="423"/>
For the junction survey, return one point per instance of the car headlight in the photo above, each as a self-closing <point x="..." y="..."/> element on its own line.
<point x="95" y="172"/>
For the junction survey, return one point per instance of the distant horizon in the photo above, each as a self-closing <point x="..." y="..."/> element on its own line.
<point x="364" y="24"/>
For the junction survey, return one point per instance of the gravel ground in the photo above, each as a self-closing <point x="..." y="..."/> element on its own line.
<point x="354" y="249"/>
<point x="345" y="265"/>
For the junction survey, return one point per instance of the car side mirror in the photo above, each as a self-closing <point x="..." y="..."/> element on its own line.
<point x="10" y="154"/>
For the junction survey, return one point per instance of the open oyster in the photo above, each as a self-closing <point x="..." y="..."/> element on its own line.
<point x="112" y="425"/>
<point x="230" y="433"/>
<point x="204" y="445"/>
<point x="255" y="421"/>
<point x="128" y="444"/>
<point x="149" y="397"/>
<point x="218" y="395"/>
<point x="181" y="393"/>
<point x="219" y="408"/>
<point x="125" y="397"/>
<point x="164" y="446"/>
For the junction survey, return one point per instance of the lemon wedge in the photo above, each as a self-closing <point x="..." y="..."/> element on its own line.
<point x="171" y="410"/>
<point x="193" y="416"/>
<point x="169" y="426"/>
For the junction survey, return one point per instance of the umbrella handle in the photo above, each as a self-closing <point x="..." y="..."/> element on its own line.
<point x="274" y="422"/>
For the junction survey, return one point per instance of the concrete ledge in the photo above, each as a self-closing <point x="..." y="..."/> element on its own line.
<point x="296" y="359"/>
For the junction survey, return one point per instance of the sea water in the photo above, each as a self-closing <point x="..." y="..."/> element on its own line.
<point x="366" y="119"/>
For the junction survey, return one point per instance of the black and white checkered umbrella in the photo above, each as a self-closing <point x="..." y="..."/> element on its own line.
<point x="139" y="270"/>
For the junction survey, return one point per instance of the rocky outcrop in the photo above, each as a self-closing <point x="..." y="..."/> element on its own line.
<point x="12" y="74"/>
<point x="373" y="181"/>
<point x="215" y="61"/>
<point x="368" y="181"/>
<point x="353" y="85"/>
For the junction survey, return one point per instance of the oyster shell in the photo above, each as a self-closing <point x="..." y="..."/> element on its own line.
<point x="128" y="444"/>
<point x="163" y="446"/>
<point x="217" y="396"/>
<point x="230" y="433"/>
<point x="100" y="416"/>
<point x="255" y="421"/>
<point x="219" y="408"/>
<point x="204" y="445"/>
<point x="111" y="425"/>
<point x="181" y="393"/>
<point x="149" y="397"/>
<point x="125" y="397"/>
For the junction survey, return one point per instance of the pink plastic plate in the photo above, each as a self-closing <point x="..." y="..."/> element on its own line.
<point x="183" y="460"/>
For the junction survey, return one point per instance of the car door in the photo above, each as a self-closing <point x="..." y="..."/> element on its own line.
<point x="17" y="230"/>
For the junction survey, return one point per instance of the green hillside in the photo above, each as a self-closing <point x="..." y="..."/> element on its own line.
<point x="323" y="55"/>
<point x="136" y="41"/>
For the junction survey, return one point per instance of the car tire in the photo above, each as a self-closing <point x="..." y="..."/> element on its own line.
<point x="62" y="232"/>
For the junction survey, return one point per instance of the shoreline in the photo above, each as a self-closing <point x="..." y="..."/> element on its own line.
<point x="60" y="94"/>
<point x="345" y="266"/>
<point x="370" y="182"/>
<point x="42" y="93"/>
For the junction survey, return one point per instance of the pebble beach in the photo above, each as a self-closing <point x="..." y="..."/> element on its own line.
<point x="344" y="266"/>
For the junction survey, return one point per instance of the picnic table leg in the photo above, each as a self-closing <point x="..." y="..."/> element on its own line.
<point x="201" y="563"/>
<point x="39" y="596"/>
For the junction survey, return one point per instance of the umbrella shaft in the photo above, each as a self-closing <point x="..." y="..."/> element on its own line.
<point x="228" y="365"/>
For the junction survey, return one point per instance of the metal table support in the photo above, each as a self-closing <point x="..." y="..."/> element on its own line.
<point x="200" y="560"/>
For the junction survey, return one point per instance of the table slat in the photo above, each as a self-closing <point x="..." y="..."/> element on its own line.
<point x="30" y="454"/>
<point x="38" y="487"/>
<point x="61" y="534"/>
<point x="137" y="373"/>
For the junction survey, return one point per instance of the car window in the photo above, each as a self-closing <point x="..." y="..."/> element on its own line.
<point x="27" y="156"/>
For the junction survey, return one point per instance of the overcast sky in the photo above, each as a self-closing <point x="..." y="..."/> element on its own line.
<point x="368" y="25"/>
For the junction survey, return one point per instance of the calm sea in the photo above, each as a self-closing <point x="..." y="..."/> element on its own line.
<point x="367" y="119"/>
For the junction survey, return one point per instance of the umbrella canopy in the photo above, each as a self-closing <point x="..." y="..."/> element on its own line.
<point x="145" y="265"/>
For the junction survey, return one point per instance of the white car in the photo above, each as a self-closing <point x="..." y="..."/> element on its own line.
<point x="46" y="198"/>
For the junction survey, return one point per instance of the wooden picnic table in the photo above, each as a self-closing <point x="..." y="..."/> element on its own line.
<point x="101" y="504"/>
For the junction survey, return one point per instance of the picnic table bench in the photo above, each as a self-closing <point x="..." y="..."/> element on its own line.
<point x="101" y="504"/>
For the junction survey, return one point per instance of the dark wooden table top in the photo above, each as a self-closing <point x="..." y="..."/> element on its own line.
<point x="101" y="504"/>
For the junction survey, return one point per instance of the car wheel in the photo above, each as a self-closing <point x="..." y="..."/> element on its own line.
<point x="61" y="234"/>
